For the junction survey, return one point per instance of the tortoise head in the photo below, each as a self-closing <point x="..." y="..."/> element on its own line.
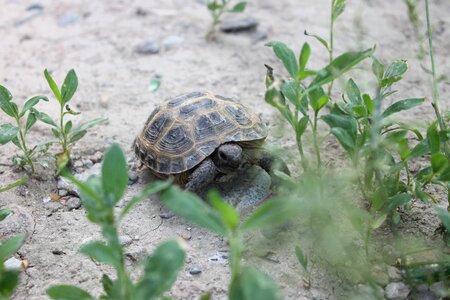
<point x="228" y="157"/>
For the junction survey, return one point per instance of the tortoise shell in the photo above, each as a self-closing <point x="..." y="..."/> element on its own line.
<point x="183" y="131"/>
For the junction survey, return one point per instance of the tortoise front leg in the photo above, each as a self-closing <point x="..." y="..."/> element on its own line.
<point x="203" y="175"/>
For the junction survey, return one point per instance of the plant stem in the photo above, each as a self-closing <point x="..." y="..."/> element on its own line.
<point x="331" y="46"/>
<point x="437" y="111"/>
<point x="24" y="147"/>
<point x="236" y="248"/>
<point x="61" y="125"/>
<point x="316" y="144"/>
<point x="304" y="162"/>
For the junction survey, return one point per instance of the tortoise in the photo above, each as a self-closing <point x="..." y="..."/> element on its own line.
<point x="198" y="137"/>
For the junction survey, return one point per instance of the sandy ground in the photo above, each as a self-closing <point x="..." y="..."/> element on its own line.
<point x="98" y="40"/>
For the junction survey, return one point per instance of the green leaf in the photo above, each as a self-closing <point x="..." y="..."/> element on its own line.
<point x="10" y="246"/>
<point x="301" y="126"/>
<point x="191" y="207"/>
<point x="89" y="124"/>
<point x="107" y="284"/>
<point x="288" y="88"/>
<point x="56" y="133"/>
<point x="338" y="8"/>
<point x="353" y="92"/>
<point x="369" y="103"/>
<point x="394" y="72"/>
<point x="31" y="103"/>
<point x="43" y="117"/>
<point x="9" y="280"/>
<point x="339" y="66"/>
<point x="53" y="86"/>
<point x="317" y="99"/>
<point x="68" y="127"/>
<point x="4" y="213"/>
<point x="14" y="184"/>
<point x="239" y="7"/>
<point x="378" y="221"/>
<point x="444" y="216"/>
<point x="229" y="215"/>
<point x="154" y="85"/>
<point x="402" y="105"/>
<point x="438" y="162"/>
<point x="270" y="214"/>
<point x="433" y="139"/>
<point x="346" y="140"/>
<point x="214" y="5"/>
<point x="251" y="284"/>
<point x="114" y="174"/>
<point x="286" y="55"/>
<point x="318" y="38"/>
<point x="152" y="188"/>
<point x="69" y="86"/>
<point x="31" y="120"/>
<point x="301" y="257"/>
<point x="68" y="292"/>
<point x="348" y="123"/>
<point x="7" y="133"/>
<point x="76" y="135"/>
<point x="160" y="270"/>
<point x="395" y="201"/>
<point x="102" y="253"/>
<point x="305" y="53"/>
<point x="377" y="68"/>
<point x="445" y="175"/>
<point x="9" y="107"/>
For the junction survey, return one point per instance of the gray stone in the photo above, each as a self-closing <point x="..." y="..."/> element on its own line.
<point x="96" y="157"/>
<point x="68" y="18"/>
<point x="194" y="270"/>
<point x="19" y="221"/>
<point x="425" y="295"/>
<point x="65" y="184"/>
<point x="439" y="289"/>
<point x="238" y="24"/>
<point x="150" y="46"/>
<point x="396" y="291"/>
<point x="172" y="41"/>
<point x="73" y="203"/>
<point x="87" y="163"/>
<point x="62" y="192"/>
<point x="166" y="214"/>
<point x="78" y="164"/>
<point x="394" y="273"/>
<point x="125" y="240"/>
<point x="132" y="178"/>
<point x="246" y="190"/>
<point x="13" y="264"/>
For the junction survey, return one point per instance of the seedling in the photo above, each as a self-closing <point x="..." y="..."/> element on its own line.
<point x="99" y="195"/>
<point x="62" y="130"/>
<point x="218" y="8"/>
<point x="9" y="279"/>
<point x="303" y="260"/>
<point x="222" y="219"/>
<point x="24" y="120"/>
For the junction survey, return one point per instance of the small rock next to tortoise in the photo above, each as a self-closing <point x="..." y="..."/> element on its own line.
<point x="13" y="264"/>
<point x="87" y="163"/>
<point x="396" y="291"/>
<point x="96" y="157"/>
<point x="186" y="236"/>
<point x="238" y="24"/>
<point x="132" y="178"/>
<point x="62" y="193"/>
<point x="195" y="270"/>
<point x="73" y="203"/>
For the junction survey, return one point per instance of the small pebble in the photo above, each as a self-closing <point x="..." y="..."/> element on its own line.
<point x="13" y="264"/>
<point x="166" y="214"/>
<point x="96" y="157"/>
<point x="238" y="24"/>
<point x="68" y="19"/>
<point x="62" y="193"/>
<point x="186" y="236"/>
<point x="73" y="203"/>
<point x="150" y="46"/>
<point x="47" y="199"/>
<point x="172" y="41"/>
<point x="396" y="291"/>
<point x="195" y="270"/>
<point x="87" y="163"/>
<point x="125" y="240"/>
<point x="79" y="170"/>
<point x="78" y="164"/>
<point x="394" y="273"/>
<point x="132" y="178"/>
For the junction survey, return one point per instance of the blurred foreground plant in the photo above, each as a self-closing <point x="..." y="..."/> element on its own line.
<point x="221" y="218"/>
<point x="100" y="195"/>
<point x="9" y="279"/>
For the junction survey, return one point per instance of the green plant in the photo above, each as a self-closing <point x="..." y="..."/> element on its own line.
<point x="303" y="260"/>
<point x="294" y="97"/>
<point x="218" y="8"/>
<point x="222" y="219"/>
<point x="9" y="279"/>
<point x="100" y="194"/>
<point x="63" y="130"/>
<point x="413" y="16"/>
<point x="17" y="133"/>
